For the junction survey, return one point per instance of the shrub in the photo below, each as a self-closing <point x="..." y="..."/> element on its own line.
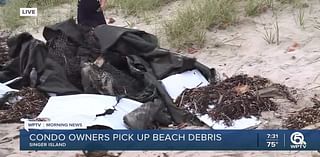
<point x="256" y="7"/>
<point x="135" y="7"/>
<point x="11" y="13"/>
<point x="189" y="26"/>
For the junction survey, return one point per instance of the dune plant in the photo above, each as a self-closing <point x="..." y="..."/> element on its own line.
<point x="301" y="17"/>
<point x="254" y="7"/>
<point x="135" y="7"/>
<point x="317" y="24"/>
<point x="269" y="3"/>
<point x="276" y="26"/>
<point x="184" y="29"/>
<point x="289" y="1"/>
<point x="295" y="3"/>
<point x="10" y="13"/>
<point x="272" y="34"/>
<point x="41" y="4"/>
<point x="190" y="24"/>
<point x="269" y="35"/>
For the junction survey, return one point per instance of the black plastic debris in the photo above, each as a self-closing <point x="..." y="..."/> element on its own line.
<point x="134" y="63"/>
<point x="142" y="117"/>
<point x="4" y="56"/>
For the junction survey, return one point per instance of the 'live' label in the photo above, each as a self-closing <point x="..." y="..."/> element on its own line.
<point x="28" y="11"/>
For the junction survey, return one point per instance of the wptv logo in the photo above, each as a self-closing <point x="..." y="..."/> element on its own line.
<point x="28" y="12"/>
<point x="297" y="140"/>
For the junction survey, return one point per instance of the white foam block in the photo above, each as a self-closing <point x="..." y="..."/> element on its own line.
<point x="83" y="108"/>
<point x="4" y="89"/>
<point x="176" y="84"/>
<point x="242" y="123"/>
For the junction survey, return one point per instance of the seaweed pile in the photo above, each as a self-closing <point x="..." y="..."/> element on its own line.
<point x="4" y="57"/>
<point x="304" y="117"/>
<point x="100" y="154"/>
<point x="231" y="99"/>
<point x="26" y="103"/>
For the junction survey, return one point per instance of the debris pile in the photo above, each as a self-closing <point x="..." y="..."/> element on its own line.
<point x="27" y="103"/>
<point x="4" y="57"/>
<point x="304" y="117"/>
<point x="100" y="154"/>
<point x="232" y="99"/>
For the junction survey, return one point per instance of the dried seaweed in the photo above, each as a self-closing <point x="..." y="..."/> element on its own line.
<point x="304" y="117"/>
<point x="28" y="103"/>
<point x="101" y="154"/>
<point x="233" y="98"/>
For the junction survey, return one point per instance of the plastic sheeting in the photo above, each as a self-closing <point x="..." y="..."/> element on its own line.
<point x="4" y="89"/>
<point x="176" y="84"/>
<point x="83" y="108"/>
<point x="243" y="123"/>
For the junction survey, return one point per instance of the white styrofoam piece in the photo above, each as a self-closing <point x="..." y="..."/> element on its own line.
<point x="13" y="80"/>
<point x="176" y="84"/>
<point x="4" y="89"/>
<point x="242" y="123"/>
<point x="83" y="108"/>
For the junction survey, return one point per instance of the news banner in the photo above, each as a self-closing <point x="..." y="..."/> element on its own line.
<point x="170" y="140"/>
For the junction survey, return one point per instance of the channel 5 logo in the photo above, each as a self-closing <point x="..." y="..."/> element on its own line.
<point x="297" y="140"/>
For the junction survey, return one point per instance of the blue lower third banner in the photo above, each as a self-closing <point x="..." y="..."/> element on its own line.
<point x="170" y="140"/>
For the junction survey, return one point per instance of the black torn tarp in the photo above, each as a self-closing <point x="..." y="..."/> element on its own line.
<point x="130" y="55"/>
<point x="125" y="41"/>
<point x="4" y="56"/>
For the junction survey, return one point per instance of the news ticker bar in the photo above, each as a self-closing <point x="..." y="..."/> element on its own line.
<point x="170" y="140"/>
